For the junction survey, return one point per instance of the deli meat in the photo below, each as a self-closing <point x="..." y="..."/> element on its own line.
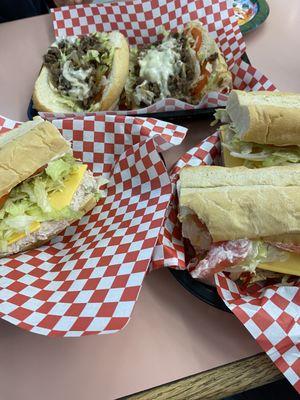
<point x="220" y="256"/>
<point x="293" y="248"/>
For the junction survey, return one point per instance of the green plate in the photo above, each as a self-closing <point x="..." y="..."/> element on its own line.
<point x="261" y="13"/>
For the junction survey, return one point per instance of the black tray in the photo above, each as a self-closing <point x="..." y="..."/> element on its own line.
<point x="172" y="116"/>
<point x="204" y="292"/>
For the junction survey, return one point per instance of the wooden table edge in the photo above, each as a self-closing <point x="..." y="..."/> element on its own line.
<point x="217" y="383"/>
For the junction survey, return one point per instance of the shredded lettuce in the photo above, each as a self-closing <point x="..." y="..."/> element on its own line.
<point x="253" y="153"/>
<point x="29" y="202"/>
<point x="261" y="252"/>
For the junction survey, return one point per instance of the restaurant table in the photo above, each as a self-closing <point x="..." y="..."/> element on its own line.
<point x="172" y="337"/>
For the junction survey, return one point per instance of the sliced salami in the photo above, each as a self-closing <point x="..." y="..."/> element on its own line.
<point x="293" y="248"/>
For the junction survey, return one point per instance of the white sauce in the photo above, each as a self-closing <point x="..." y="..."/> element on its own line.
<point x="80" y="89"/>
<point x="157" y="66"/>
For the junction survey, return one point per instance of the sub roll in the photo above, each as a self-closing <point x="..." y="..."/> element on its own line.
<point x="43" y="188"/>
<point x="261" y="128"/>
<point x="242" y="220"/>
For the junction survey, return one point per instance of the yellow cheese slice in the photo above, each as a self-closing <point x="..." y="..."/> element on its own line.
<point x="290" y="266"/>
<point x="228" y="160"/>
<point x="17" y="236"/>
<point x="58" y="200"/>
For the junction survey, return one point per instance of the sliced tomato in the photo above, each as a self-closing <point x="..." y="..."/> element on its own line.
<point x="292" y="248"/>
<point x="220" y="256"/>
<point x="203" y="82"/>
<point x="3" y="200"/>
<point x="197" y="36"/>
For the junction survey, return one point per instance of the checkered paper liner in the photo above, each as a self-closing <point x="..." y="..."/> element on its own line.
<point x="87" y="279"/>
<point x="271" y="314"/>
<point x="141" y="20"/>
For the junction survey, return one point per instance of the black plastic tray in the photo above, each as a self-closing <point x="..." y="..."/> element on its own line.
<point x="204" y="292"/>
<point x="178" y="116"/>
<point x="173" y="116"/>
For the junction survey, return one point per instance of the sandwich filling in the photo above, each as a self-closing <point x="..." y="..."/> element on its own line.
<point x="240" y="257"/>
<point x="45" y="203"/>
<point x="79" y="68"/>
<point x="254" y="154"/>
<point x="175" y="67"/>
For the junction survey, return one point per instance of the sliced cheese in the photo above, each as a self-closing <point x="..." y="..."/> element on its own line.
<point x="227" y="159"/>
<point x="290" y="267"/>
<point x="58" y="200"/>
<point x="17" y="236"/>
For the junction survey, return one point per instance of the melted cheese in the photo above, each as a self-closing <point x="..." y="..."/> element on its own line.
<point x="58" y="200"/>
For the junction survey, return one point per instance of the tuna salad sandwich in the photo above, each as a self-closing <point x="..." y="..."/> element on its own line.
<point x="85" y="73"/>
<point x="43" y="188"/>
<point x="185" y="65"/>
<point x="241" y="220"/>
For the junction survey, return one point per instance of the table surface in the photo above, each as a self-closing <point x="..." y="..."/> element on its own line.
<point x="171" y="334"/>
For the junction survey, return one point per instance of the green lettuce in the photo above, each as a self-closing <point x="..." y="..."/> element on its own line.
<point x="265" y="155"/>
<point x="29" y="202"/>
<point x="262" y="253"/>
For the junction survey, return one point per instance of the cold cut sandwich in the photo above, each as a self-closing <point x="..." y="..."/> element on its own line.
<point x="43" y="188"/>
<point x="241" y="220"/>
<point x="260" y="129"/>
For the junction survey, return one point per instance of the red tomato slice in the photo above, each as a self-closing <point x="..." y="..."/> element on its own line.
<point x="197" y="36"/>
<point x="3" y="200"/>
<point x="220" y="256"/>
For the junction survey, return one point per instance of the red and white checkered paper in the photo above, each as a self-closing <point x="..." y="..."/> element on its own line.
<point x="141" y="20"/>
<point x="87" y="279"/>
<point x="271" y="314"/>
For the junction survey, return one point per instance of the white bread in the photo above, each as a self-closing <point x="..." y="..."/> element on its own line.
<point x="221" y="79"/>
<point x="266" y="117"/>
<point x="26" y="149"/>
<point x="237" y="203"/>
<point x="88" y="204"/>
<point x="48" y="100"/>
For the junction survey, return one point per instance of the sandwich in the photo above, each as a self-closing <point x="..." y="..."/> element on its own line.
<point x="85" y="73"/>
<point x="241" y="220"/>
<point x="185" y="65"/>
<point x="260" y="129"/>
<point x="43" y="188"/>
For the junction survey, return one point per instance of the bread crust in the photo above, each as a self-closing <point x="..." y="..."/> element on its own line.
<point x="48" y="100"/>
<point x="23" y="156"/>
<point x="274" y="117"/>
<point x="117" y="78"/>
<point x="245" y="207"/>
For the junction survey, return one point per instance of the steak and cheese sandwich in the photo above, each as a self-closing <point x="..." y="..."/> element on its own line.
<point x="261" y="128"/>
<point x="184" y="65"/>
<point x="43" y="188"/>
<point x="246" y="221"/>
<point x="85" y="73"/>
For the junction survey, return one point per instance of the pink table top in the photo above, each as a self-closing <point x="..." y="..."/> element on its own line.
<point x="171" y="334"/>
